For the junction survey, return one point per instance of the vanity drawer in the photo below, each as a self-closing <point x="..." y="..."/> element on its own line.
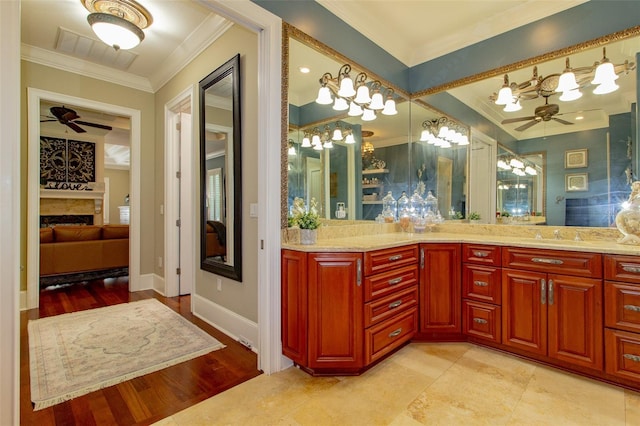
<point x="553" y="261"/>
<point x="381" y="285"/>
<point x="622" y="354"/>
<point x="382" y="309"/>
<point x="622" y="268"/>
<point x="481" y="254"/>
<point x="622" y="306"/>
<point x="482" y="320"/>
<point x="388" y="335"/>
<point x="482" y="283"/>
<point x="386" y="259"/>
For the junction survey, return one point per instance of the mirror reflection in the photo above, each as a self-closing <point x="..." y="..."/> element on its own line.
<point x="585" y="133"/>
<point x="221" y="173"/>
<point x="374" y="153"/>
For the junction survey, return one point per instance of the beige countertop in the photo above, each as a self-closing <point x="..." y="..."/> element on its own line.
<point x="363" y="243"/>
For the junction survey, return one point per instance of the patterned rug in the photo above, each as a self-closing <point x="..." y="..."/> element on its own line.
<point x="77" y="353"/>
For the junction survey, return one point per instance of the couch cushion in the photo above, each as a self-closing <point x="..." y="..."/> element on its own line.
<point x="77" y="233"/>
<point x="112" y="232"/>
<point x="46" y="235"/>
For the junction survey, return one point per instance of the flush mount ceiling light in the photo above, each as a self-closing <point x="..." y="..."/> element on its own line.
<point x="118" y="23"/>
<point x="361" y="98"/>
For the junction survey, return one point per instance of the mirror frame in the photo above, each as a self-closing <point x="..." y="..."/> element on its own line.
<point x="231" y="67"/>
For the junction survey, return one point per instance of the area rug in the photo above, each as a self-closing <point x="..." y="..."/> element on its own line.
<point x="77" y="353"/>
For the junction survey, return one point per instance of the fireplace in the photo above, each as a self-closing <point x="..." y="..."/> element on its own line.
<point x="66" y="219"/>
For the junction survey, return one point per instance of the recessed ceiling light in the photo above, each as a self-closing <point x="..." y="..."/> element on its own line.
<point x="579" y="117"/>
<point x="304" y="70"/>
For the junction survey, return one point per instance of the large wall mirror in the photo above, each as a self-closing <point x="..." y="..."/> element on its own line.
<point x="221" y="171"/>
<point x="347" y="178"/>
<point x="584" y="150"/>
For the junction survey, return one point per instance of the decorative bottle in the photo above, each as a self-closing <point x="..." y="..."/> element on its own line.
<point x="389" y="208"/>
<point x="404" y="213"/>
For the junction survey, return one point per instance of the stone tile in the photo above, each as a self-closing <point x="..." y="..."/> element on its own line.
<point x="632" y="407"/>
<point x="555" y="397"/>
<point x="430" y="359"/>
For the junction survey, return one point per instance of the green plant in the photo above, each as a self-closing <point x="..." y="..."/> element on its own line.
<point x="308" y="220"/>
<point x="505" y="214"/>
<point x="474" y="216"/>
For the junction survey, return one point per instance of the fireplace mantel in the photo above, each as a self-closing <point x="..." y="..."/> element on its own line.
<point x="71" y="194"/>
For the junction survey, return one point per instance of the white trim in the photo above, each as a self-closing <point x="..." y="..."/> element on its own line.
<point x="23" y="300"/>
<point x="148" y="282"/>
<point x="34" y="97"/>
<point x="158" y="284"/>
<point x="10" y="110"/>
<point x="226" y="321"/>
<point x="186" y="149"/>
<point x="268" y="27"/>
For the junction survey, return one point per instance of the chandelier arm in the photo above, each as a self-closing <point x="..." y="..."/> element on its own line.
<point x="344" y="71"/>
<point x="360" y="79"/>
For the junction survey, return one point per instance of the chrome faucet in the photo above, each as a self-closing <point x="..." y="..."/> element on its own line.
<point x="556" y="234"/>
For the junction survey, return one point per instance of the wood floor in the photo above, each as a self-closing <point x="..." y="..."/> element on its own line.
<point x="145" y="399"/>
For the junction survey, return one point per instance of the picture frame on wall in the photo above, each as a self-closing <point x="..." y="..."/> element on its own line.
<point x="576" y="158"/>
<point x="577" y="182"/>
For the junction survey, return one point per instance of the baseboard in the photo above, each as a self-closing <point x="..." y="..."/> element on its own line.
<point x="146" y="282"/>
<point x="230" y="323"/>
<point x="158" y="284"/>
<point x="23" y="300"/>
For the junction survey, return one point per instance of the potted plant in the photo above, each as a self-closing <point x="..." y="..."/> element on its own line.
<point x="308" y="223"/>
<point x="474" y="217"/>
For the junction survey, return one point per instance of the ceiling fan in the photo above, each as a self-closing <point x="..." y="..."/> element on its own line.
<point x="69" y="117"/>
<point x="544" y="112"/>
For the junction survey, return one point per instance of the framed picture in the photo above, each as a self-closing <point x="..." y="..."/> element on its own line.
<point x="575" y="158"/>
<point x="577" y="182"/>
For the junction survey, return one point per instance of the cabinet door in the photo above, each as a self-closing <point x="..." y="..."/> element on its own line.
<point x="294" y="305"/>
<point x="336" y="327"/>
<point x="574" y="308"/>
<point x="524" y="310"/>
<point x="440" y="288"/>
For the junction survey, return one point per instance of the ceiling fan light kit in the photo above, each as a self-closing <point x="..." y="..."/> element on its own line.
<point x="118" y="23"/>
<point x="361" y="98"/>
<point x="602" y="75"/>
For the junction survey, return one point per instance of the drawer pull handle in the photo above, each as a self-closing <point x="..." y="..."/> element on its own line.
<point x="394" y="258"/>
<point x="481" y="283"/>
<point x="632" y="308"/>
<point x="550" y="292"/>
<point x="480" y="320"/>
<point x="358" y="272"/>
<point x="395" y="281"/>
<point x="395" y="333"/>
<point x="395" y="304"/>
<point x="478" y="253"/>
<point x="634" y="358"/>
<point x="543" y="291"/>
<point x="630" y="268"/>
<point x="547" y="261"/>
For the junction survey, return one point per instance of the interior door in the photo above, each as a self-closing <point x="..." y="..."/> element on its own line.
<point x="314" y="180"/>
<point x="482" y="171"/>
<point x="445" y="171"/>
<point x="185" y="209"/>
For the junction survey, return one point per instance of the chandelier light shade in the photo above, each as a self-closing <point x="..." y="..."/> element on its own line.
<point x="361" y="98"/>
<point x="505" y="95"/>
<point x="324" y="139"/>
<point x="118" y="23"/>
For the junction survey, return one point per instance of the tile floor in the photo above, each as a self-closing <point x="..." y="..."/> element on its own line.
<point x="422" y="384"/>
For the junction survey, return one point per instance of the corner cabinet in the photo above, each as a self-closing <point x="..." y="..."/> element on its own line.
<point x="440" y="292"/>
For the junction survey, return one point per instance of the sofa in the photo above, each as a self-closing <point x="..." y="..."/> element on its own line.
<point x="216" y="240"/>
<point x="77" y="250"/>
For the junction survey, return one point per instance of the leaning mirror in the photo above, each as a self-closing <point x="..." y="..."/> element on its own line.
<point x="221" y="172"/>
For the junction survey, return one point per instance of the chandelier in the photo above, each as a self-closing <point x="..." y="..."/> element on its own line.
<point x="602" y="75"/>
<point x="324" y="139"/>
<point x="118" y="23"/>
<point x="356" y="98"/>
<point x="444" y="133"/>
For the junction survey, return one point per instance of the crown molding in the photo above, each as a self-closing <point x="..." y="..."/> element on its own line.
<point x="206" y="33"/>
<point x="84" y="68"/>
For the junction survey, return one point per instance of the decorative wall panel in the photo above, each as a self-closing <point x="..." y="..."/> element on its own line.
<point x="69" y="161"/>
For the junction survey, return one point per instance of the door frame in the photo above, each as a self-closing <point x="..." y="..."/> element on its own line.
<point x="179" y="247"/>
<point x="34" y="97"/>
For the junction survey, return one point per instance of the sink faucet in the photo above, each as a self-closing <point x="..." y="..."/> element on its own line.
<point x="556" y="234"/>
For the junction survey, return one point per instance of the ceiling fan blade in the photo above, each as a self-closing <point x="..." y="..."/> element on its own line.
<point x="527" y="125"/>
<point x="515" y="120"/>
<point x="75" y="127"/>
<point x="99" y="126"/>
<point x="45" y="121"/>
<point x="560" y="120"/>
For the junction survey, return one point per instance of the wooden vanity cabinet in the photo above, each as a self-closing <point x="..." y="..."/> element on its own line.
<point x="440" y="292"/>
<point x="552" y="304"/>
<point x="482" y="292"/>
<point x="622" y="316"/>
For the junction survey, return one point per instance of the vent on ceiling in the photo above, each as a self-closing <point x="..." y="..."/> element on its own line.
<point x="82" y="47"/>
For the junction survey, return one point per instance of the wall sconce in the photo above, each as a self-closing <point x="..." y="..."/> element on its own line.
<point x="444" y="133"/>
<point x="324" y="139"/>
<point x="118" y="23"/>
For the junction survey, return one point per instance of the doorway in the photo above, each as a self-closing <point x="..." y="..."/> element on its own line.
<point x="445" y="175"/>
<point x="35" y="98"/>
